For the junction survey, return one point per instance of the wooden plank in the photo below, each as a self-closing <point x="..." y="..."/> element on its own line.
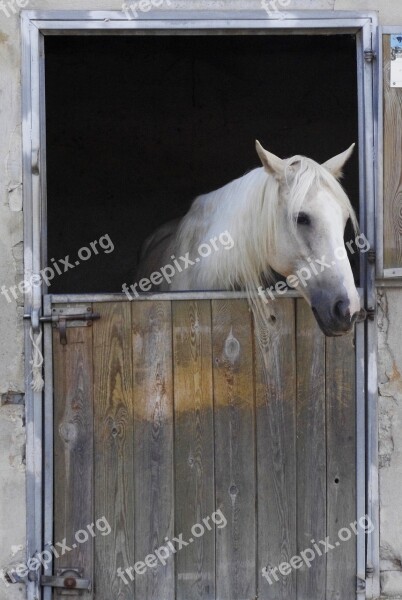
<point x="341" y="470"/>
<point x="392" y="165"/>
<point x="194" y="448"/>
<point x="276" y="452"/>
<point x="311" y="451"/>
<point x="73" y="449"/>
<point x="232" y="341"/>
<point x="114" y="456"/>
<point x="153" y="438"/>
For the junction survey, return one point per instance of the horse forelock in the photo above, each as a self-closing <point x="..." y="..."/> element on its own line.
<point x="302" y="174"/>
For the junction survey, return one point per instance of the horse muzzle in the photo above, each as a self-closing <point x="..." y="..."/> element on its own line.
<point x="334" y="316"/>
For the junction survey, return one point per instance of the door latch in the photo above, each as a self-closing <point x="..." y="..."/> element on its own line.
<point x="60" y="321"/>
<point x="69" y="581"/>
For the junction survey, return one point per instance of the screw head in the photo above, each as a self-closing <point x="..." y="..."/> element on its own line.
<point x="70" y="582"/>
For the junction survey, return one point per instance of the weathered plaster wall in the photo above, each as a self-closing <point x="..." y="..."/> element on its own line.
<point x="390" y="419"/>
<point x="12" y="477"/>
<point x="12" y="490"/>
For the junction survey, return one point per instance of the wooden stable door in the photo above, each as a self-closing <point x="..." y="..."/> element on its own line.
<point x="170" y="419"/>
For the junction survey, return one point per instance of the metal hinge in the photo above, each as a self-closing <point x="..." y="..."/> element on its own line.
<point x="369" y="56"/>
<point x="366" y="313"/>
<point x="70" y="319"/>
<point x="69" y="580"/>
<point x="369" y="571"/>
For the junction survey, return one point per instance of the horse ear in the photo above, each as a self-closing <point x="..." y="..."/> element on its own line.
<point x="335" y="165"/>
<point x="271" y="163"/>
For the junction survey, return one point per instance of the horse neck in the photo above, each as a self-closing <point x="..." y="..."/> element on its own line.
<point x="236" y="208"/>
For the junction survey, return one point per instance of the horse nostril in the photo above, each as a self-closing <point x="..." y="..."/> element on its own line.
<point x="342" y="310"/>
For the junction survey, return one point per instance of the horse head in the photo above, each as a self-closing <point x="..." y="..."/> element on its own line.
<point x="307" y="216"/>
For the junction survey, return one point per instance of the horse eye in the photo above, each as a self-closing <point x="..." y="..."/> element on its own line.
<point x="303" y="219"/>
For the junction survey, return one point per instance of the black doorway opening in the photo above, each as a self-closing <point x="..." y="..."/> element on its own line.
<point x="138" y="126"/>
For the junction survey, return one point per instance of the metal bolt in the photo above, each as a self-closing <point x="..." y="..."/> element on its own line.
<point x="70" y="582"/>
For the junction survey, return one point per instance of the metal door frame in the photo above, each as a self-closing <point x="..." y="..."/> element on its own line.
<point x="38" y="24"/>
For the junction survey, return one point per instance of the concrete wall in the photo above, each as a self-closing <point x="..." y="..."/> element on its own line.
<point x="12" y="490"/>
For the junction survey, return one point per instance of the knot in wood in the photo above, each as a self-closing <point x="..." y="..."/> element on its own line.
<point x="233" y="490"/>
<point x="68" y="432"/>
<point x="232" y="347"/>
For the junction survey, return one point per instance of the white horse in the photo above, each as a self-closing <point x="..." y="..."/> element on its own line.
<point x="287" y="216"/>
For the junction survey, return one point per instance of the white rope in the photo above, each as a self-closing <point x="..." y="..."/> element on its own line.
<point x="36" y="362"/>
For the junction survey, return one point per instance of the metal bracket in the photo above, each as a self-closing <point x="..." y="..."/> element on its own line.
<point x="69" y="581"/>
<point x="35" y="319"/>
<point x="35" y="161"/>
<point x="62" y="325"/>
<point x="361" y="585"/>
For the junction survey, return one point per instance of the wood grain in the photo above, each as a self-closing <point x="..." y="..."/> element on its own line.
<point x="392" y="165"/>
<point x="194" y="447"/>
<point x="341" y="470"/>
<point x="114" y="448"/>
<point x="276" y="452"/>
<point x="235" y="469"/>
<point x="153" y="435"/>
<point x="311" y="450"/>
<point x="73" y="448"/>
<point x="190" y="414"/>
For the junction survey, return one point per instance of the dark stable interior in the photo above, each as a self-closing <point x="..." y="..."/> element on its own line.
<point x="138" y="126"/>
